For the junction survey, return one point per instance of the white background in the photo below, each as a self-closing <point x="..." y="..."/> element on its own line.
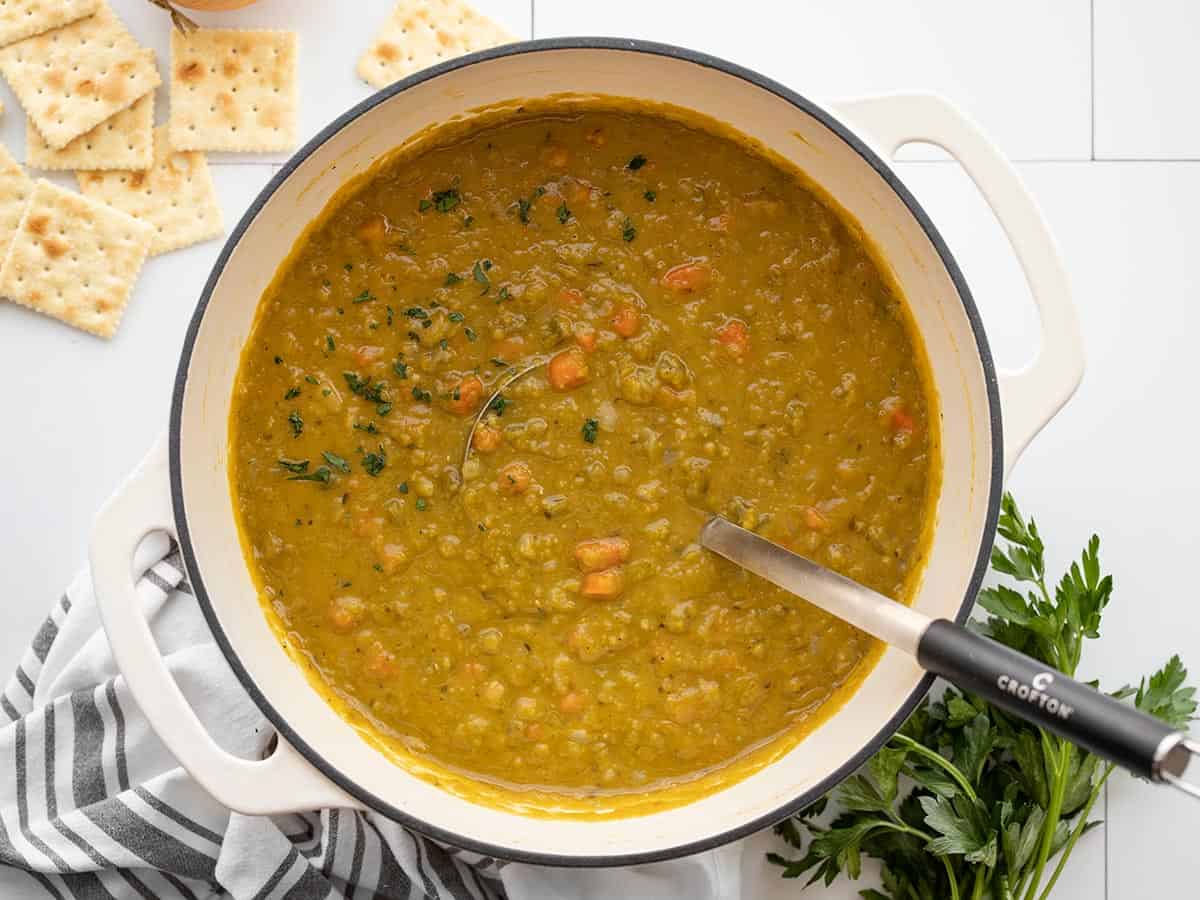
<point x="1095" y="101"/>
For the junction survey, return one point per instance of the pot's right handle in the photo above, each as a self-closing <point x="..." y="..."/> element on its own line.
<point x="1029" y="397"/>
<point x="284" y="781"/>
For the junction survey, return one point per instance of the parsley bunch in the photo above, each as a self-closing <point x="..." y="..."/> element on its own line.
<point x="966" y="801"/>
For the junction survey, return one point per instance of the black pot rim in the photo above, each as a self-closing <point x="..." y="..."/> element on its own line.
<point x="280" y="723"/>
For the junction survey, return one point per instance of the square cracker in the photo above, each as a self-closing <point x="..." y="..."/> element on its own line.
<point x="20" y="19"/>
<point x="176" y="195"/>
<point x="15" y="188"/>
<point x="126" y="141"/>
<point x="422" y="33"/>
<point x="75" y="259"/>
<point x="233" y="90"/>
<point x="73" y="78"/>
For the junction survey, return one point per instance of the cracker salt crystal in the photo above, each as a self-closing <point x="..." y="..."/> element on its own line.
<point x="71" y="79"/>
<point x="233" y="90"/>
<point x="20" y="19"/>
<point x="422" y="33"/>
<point x="75" y="259"/>
<point x="176" y="195"/>
<point x="126" y="141"/>
<point x="15" y="188"/>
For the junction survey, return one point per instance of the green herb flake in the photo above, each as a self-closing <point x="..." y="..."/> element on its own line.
<point x="503" y="294"/>
<point x="422" y="395"/>
<point x="322" y="475"/>
<point x="296" y="422"/>
<point x="523" y="208"/>
<point x="400" y="368"/>
<point x="369" y="428"/>
<point x="349" y="267"/>
<point x="636" y="163"/>
<point x="336" y="461"/>
<point x="425" y="205"/>
<point x="330" y="346"/>
<point x="499" y="404"/>
<point x="500" y="363"/>
<point x="452" y="278"/>
<point x="456" y="317"/>
<point x="416" y="312"/>
<point x="650" y="196"/>
<point x="312" y="379"/>
<point x="564" y="214"/>
<point x="422" y="505"/>
<point x="374" y="463"/>
<point x="383" y="409"/>
<point x="292" y="393"/>
<point x="362" y="387"/>
<point x="591" y="430"/>
<point x="444" y="344"/>
<point x="628" y="232"/>
<point x="479" y="273"/>
<point x="390" y="314"/>
<point x="278" y="360"/>
<point x="364" y="297"/>
<point x="446" y="200"/>
<point x="403" y="487"/>
<point x="470" y="333"/>
<point x="295" y="466"/>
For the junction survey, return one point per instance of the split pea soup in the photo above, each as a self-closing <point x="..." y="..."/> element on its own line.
<point x="701" y="330"/>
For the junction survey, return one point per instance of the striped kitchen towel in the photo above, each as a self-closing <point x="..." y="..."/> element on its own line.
<point x="97" y="808"/>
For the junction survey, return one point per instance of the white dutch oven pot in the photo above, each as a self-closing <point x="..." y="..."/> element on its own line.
<point x="182" y="487"/>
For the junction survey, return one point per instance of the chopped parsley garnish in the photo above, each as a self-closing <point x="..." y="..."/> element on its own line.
<point x="425" y="205"/>
<point x="470" y="333"/>
<point x="383" y="409"/>
<point x="296" y="422"/>
<point x="322" y="475"/>
<point x="349" y="267"/>
<point x="591" y="430"/>
<point x="374" y="462"/>
<point x="525" y="205"/>
<point x="499" y="363"/>
<point x="479" y="273"/>
<point x="390" y="313"/>
<point x="650" y="196"/>
<point x="369" y="428"/>
<point x="403" y="488"/>
<point x="311" y="379"/>
<point x="628" y="232"/>
<point x="422" y="395"/>
<point x="503" y="295"/>
<point x="499" y="404"/>
<point x="295" y="466"/>
<point x="400" y="368"/>
<point x="452" y="278"/>
<point x="292" y="393"/>
<point x="563" y="213"/>
<point x="446" y="200"/>
<point x="336" y="461"/>
<point x="421" y="504"/>
<point x="364" y="297"/>
<point x="329" y="344"/>
<point x="444" y="344"/>
<point x="456" y="317"/>
<point x="363" y="388"/>
<point x="416" y="312"/>
<point x="636" y="163"/>
<point x="278" y="360"/>
<point x="468" y="221"/>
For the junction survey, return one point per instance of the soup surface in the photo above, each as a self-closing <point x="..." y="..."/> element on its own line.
<point x="704" y="334"/>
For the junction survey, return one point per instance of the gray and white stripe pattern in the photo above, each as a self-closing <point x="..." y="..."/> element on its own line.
<point x="97" y="808"/>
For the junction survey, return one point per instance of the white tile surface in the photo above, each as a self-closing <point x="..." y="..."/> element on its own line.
<point x="1119" y="460"/>
<point x="1146" y="101"/>
<point x="1021" y="67"/>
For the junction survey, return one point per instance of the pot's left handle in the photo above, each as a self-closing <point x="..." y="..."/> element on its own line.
<point x="284" y="782"/>
<point x="1029" y="397"/>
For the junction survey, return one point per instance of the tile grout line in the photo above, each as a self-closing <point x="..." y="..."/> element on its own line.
<point x="1092" y="45"/>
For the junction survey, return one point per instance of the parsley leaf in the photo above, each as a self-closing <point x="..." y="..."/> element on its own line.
<point x="591" y="430"/>
<point x="479" y="273"/>
<point x="292" y="393"/>
<point x="452" y="278"/>
<point x="564" y="214"/>
<point x="296" y="422"/>
<point x="628" y="232"/>
<point x="446" y="200"/>
<point x="295" y="466"/>
<point x="636" y="163"/>
<point x="322" y="474"/>
<point x="364" y="297"/>
<point x="374" y="463"/>
<point x="336" y="461"/>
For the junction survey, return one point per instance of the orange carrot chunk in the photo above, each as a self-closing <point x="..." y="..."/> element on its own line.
<point x="735" y="335"/>
<point x="568" y="369"/>
<point x="627" y="321"/>
<point x="602" y="585"/>
<point x="601" y="553"/>
<point x="466" y="397"/>
<point x="514" y="478"/>
<point x="487" y="439"/>
<point x="687" y="278"/>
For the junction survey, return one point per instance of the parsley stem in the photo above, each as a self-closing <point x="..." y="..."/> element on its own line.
<point x="943" y="763"/>
<point x="1080" y="824"/>
<point x="1060" y="760"/>
<point x="981" y="873"/>
<point x="950" y="876"/>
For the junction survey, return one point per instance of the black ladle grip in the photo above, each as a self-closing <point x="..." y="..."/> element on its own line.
<point x="1033" y="691"/>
